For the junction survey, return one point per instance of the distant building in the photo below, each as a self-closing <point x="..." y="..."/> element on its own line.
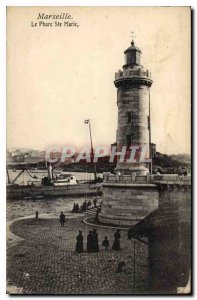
<point x="16" y="153"/>
<point x="31" y="160"/>
<point x="18" y="158"/>
<point x="34" y="153"/>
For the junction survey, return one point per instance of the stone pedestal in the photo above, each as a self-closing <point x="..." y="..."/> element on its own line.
<point x="127" y="200"/>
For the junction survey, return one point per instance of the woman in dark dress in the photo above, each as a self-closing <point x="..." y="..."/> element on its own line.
<point x="95" y="241"/>
<point x="90" y="242"/>
<point x="79" y="245"/>
<point x="116" y="243"/>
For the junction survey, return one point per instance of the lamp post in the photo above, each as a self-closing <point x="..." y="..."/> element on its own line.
<point x="92" y="151"/>
<point x="150" y="147"/>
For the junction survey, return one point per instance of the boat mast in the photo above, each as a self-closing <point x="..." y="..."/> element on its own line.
<point x="92" y="151"/>
<point x="9" y="181"/>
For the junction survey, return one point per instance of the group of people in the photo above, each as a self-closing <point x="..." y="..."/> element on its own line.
<point x="93" y="244"/>
<point x="92" y="237"/>
<point x="85" y="205"/>
<point x="75" y="208"/>
<point x="82" y="208"/>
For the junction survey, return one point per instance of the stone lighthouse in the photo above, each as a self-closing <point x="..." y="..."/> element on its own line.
<point x="129" y="195"/>
<point x="133" y="99"/>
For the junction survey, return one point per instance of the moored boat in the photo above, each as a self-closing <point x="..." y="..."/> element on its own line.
<point x="64" y="180"/>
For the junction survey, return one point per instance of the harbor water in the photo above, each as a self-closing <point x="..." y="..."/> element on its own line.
<point x="20" y="207"/>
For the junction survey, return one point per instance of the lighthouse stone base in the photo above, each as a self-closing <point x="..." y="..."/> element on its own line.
<point x="127" y="199"/>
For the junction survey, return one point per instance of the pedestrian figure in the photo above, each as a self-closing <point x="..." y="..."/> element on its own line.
<point x="77" y="208"/>
<point x="116" y="243"/>
<point x="95" y="241"/>
<point x="84" y="206"/>
<point x="62" y="218"/>
<point x="95" y="201"/>
<point x="89" y="203"/>
<point x="90" y="242"/>
<point x="105" y="243"/>
<point x="120" y="267"/>
<point x="74" y="208"/>
<point x="79" y="245"/>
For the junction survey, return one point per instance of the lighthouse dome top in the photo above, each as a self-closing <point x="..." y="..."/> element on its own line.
<point x="132" y="48"/>
<point x="132" y="56"/>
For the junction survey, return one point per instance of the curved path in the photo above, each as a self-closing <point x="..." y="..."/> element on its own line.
<point x="44" y="260"/>
<point x="88" y="221"/>
<point x="13" y="239"/>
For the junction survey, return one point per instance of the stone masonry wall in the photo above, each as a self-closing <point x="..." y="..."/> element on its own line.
<point x="136" y="101"/>
<point x="128" y="205"/>
<point x="177" y="196"/>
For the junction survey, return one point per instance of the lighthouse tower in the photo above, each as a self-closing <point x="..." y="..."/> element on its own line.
<point x="129" y="195"/>
<point x="133" y="99"/>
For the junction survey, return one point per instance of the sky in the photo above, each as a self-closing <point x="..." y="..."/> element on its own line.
<point x="59" y="76"/>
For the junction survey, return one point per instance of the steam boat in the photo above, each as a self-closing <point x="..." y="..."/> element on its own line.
<point x="65" y="179"/>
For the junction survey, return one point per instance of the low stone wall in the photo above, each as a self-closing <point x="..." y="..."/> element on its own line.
<point x="161" y="178"/>
<point x="52" y="191"/>
<point x="126" y="205"/>
<point x="127" y="199"/>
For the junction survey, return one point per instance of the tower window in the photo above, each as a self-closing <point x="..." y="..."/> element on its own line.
<point x="128" y="140"/>
<point x="129" y="117"/>
<point x="132" y="138"/>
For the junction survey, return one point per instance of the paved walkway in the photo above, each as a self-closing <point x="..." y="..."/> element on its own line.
<point x="45" y="262"/>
